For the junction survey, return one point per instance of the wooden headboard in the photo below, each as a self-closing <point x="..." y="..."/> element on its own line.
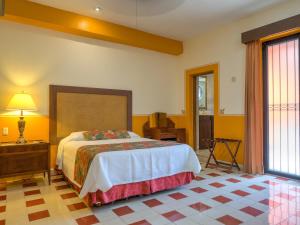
<point x="74" y="109"/>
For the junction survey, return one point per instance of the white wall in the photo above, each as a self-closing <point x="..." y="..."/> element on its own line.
<point x="223" y="45"/>
<point x="32" y="58"/>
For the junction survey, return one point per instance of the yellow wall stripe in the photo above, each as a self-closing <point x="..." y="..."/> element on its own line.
<point x="31" y="13"/>
<point x="37" y="128"/>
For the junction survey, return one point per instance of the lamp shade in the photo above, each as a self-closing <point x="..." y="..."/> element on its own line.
<point x="21" y="101"/>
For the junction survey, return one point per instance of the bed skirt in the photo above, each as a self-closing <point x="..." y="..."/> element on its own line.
<point x="124" y="191"/>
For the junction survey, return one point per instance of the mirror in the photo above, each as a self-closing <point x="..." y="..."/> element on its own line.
<point x="202" y="93"/>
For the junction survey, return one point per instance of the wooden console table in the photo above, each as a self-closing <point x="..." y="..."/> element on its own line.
<point x="169" y="133"/>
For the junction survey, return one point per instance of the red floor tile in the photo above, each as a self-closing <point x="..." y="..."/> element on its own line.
<point x="152" y="203"/>
<point x="282" y="178"/>
<point x="198" y="190"/>
<point x="232" y="180"/>
<point x="252" y="211"/>
<point x="77" y="206"/>
<point x="240" y="193"/>
<point x="87" y="220"/>
<point x="217" y="185"/>
<point x="247" y="176"/>
<point x="68" y="195"/>
<point x="229" y="220"/>
<point x="198" y="178"/>
<point x="123" y="211"/>
<point x="270" y="182"/>
<point x="213" y="174"/>
<point x="270" y="202"/>
<point x="142" y="222"/>
<point x="2" y="197"/>
<point x="33" y="192"/>
<point x="58" y="180"/>
<point x="2" y="222"/>
<point x="200" y="207"/>
<point x="61" y="187"/>
<point x="286" y="196"/>
<point x="30" y="184"/>
<point x="177" y="196"/>
<point x="173" y="216"/>
<point x="35" y="202"/>
<point x="222" y="199"/>
<point x="2" y="208"/>
<point x="257" y="187"/>
<point x="38" y="215"/>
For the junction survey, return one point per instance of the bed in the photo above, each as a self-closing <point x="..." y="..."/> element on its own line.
<point x="103" y="171"/>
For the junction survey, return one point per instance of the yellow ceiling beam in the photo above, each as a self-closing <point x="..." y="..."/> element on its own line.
<point x="26" y="12"/>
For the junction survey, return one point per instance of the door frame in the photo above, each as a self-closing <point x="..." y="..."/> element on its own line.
<point x="266" y="103"/>
<point x="190" y="95"/>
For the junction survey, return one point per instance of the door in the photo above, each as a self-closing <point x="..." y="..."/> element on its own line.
<point x="206" y="130"/>
<point x="204" y="110"/>
<point x="281" y="106"/>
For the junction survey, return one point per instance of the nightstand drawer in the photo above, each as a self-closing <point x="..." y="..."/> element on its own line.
<point x="18" y="159"/>
<point x="21" y="163"/>
<point x="22" y="148"/>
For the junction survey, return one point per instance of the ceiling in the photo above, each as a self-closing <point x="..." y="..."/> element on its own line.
<point x="178" y="19"/>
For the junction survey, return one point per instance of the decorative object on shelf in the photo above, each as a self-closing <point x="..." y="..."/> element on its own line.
<point x="202" y="93"/>
<point x="23" y="102"/>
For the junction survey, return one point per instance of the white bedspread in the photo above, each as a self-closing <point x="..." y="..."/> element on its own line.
<point x="121" y="167"/>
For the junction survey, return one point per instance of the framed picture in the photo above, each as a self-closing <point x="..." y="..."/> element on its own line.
<point x="202" y="93"/>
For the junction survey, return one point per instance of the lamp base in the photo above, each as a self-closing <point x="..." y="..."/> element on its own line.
<point x="21" y="126"/>
<point x="21" y="140"/>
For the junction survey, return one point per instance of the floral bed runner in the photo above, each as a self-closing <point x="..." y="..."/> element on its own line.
<point x="87" y="153"/>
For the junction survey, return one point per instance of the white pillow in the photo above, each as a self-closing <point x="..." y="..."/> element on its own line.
<point x="76" y="136"/>
<point x="133" y="135"/>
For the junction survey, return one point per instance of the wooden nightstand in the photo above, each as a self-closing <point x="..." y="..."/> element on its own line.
<point x="20" y="159"/>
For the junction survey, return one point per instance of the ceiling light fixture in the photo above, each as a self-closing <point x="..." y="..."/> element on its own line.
<point x="97" y="9"/>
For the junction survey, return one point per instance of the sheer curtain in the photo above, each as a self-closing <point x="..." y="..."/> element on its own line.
<point x="253" y="158"/>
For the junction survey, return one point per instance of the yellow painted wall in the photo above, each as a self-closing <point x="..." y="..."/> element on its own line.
<point x="37" y="128"/>
<point x="230" y="127"/>
<point x="225" y="126"/>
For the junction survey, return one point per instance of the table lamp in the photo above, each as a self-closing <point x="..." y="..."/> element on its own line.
<point x="24" y="102"/>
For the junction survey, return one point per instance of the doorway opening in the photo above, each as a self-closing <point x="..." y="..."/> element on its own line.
<point x="281" y="106"/>
<point x="204" y="113"/>
<point x="192" y="105"/>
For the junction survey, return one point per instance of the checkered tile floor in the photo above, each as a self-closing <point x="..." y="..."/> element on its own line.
<point x="216" y="197"/>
